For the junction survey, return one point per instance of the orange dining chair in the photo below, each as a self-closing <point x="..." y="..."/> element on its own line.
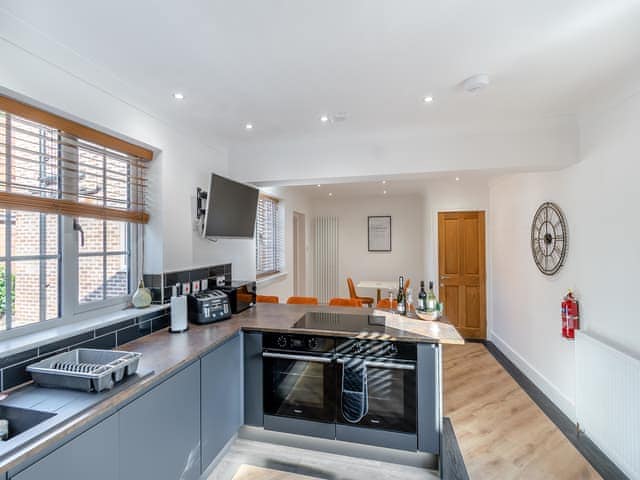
<point x="385" y="303"/>
<point x="302" y="301"/>
<point x="353" y="294"/>
<point x="267" y="299"/>
<point x="345" y="302"/>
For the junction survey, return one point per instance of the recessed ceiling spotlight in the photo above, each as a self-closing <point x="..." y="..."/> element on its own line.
<point x="178" y="96"/>
<point x="330" y="194"/>
<point x="248" y="126"/>
<point x="324" y="118"/>
<point x="428" y="99"/>
<point x="457" y="179"/>
<point x="384" y="182"/>
<point x="384" y="192"/>
<point x="318" y="185"/>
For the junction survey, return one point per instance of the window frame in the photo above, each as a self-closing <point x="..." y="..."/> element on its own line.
<point x="9" y="257"/>
<point x="278" y="243"/>
<point x="70" y="309"/>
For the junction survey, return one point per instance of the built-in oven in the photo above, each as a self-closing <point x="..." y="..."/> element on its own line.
<point x="376" y="384"/>
<point x="299" y="377"/>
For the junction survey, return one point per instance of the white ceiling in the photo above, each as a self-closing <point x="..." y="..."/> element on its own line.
<point x="396" y="185"/>
<point x="280" y="64"/>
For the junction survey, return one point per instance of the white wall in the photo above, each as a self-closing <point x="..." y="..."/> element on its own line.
<point x="447" y="195"/>
<point x="406" y="257"/>
<point x="282" y="286"/>
<point x="38" y="70"/>
<point x="600" y="197"/>
<point x="407" y="151"/>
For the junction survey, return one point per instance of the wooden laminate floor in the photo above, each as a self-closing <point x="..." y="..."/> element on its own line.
<point x="244" y="454"/>
<point x="249" y="472"/>
<point x="501" y="432"/>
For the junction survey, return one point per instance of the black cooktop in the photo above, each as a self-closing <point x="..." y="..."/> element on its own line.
<point x="341" y="322"/>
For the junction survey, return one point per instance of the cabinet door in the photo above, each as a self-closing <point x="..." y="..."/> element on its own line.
<point x="221" y="375"/>
<point x="253" y="405"/>
<point x="92" y="455"/>
<point x="429" y="376"/>
<point x="160" y="431"/>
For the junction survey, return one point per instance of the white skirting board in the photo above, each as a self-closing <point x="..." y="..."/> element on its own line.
<point x="560" y="400"/>
<point x="608" y="400"/>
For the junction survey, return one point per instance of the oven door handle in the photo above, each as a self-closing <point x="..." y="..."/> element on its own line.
<point x="377" y="364"/>
<point x="302" y="358"/>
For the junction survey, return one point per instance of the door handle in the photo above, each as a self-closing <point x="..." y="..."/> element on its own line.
<point x="379" y="363"/>
<point x="301" y="358"/>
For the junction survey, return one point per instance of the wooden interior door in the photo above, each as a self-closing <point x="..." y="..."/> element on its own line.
<point x="461" y="259"/>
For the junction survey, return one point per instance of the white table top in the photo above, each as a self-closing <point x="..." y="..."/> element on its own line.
<point x="382" y="285"/>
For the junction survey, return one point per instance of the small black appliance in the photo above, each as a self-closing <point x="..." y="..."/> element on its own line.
<point x="242" y="295"/>
<point x="208" y="306"/>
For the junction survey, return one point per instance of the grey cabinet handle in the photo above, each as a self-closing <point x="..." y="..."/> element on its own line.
<point x="302" y="358"/>
<point x="378" y="364"/>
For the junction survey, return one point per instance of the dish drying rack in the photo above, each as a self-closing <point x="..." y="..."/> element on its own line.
<point x="85" y="369"/>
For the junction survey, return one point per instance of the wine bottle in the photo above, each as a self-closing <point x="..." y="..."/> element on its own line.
<point x="432" y="300"/>
<point x="422" y="298"/>
<point x="402" y="301"/>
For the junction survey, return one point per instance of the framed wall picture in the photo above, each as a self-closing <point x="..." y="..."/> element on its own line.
<point x="379" y="238"/>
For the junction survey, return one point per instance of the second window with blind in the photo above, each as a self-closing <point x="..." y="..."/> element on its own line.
<point x="70" y="205"/>
<point x="269" y="237"/>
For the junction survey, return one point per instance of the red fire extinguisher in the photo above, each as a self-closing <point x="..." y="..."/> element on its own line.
<point x="570" y="316"/>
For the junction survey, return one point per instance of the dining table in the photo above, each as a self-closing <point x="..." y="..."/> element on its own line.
<point x="379" y="285"/>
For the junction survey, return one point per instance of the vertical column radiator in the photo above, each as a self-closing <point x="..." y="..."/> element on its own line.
<point x="326" y="264"/>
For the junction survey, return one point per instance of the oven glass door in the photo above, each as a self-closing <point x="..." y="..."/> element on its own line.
<point x="390" y="402"/>
<point x="299" y="386"/>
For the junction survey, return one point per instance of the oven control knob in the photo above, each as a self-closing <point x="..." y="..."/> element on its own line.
<point x="282" y="341"/>
<point x="393" y="349"/>
<point x="312" y="343"/>
<point x="357" y="348"/>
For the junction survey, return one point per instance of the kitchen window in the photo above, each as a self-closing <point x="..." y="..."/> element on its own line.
<point x="71" y="201"/>
<point x="269" y="237"/>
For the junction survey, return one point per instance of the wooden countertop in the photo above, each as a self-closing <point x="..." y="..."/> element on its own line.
<point x="166" y="353"/>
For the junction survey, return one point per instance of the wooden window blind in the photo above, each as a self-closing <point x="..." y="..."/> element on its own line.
<point x="50" y="164"/>
<point x="269" y="241"/>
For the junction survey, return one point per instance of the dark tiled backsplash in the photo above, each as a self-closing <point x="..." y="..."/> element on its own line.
<point x="13" y="367"/>
<point x="160" y="283"/>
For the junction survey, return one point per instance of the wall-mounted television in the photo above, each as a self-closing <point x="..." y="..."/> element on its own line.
<point x="230" y="209"/>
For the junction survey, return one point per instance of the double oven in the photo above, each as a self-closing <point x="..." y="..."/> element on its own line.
<point x="365" y="383"/>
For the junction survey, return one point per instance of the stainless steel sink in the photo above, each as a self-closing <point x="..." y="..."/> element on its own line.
<point x="22" y="419"/>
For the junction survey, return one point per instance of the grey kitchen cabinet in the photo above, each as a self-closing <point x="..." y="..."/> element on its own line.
<point x="159" y="433"/>
<point x="429" y="378"/>
<point x="221" y="381"/>
<point x="93" y="454"/>
<point x="253" y="409"/>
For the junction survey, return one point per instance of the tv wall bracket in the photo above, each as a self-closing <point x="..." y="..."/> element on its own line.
<point x="201" y="197"/>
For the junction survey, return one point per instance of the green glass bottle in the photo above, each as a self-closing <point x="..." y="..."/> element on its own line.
<point x="402" y="301"/>
<point x="432" y="300"/>
<point x="422" y="298"/>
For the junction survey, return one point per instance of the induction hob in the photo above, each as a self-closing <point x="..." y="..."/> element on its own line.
<point x="341" y="322"/>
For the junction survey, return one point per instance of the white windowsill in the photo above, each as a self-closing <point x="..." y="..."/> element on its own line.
<point x="20" y="343"/>
<point x="268" y="280"/>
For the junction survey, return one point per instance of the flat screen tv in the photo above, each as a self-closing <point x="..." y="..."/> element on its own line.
<point x="231" y="209"/>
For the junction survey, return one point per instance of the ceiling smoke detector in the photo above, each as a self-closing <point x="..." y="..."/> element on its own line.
<point x="339" y="117"/>
<point x="476" y="83"/>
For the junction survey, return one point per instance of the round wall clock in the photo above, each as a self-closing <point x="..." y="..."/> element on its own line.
<point x="549" y="238"/>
